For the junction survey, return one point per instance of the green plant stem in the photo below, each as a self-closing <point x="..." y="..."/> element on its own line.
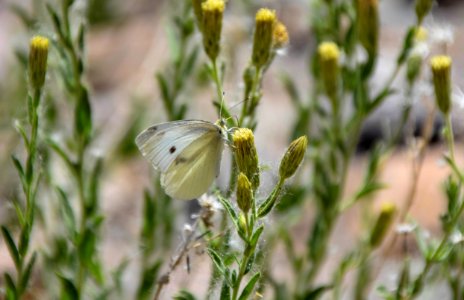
<point x="243" y="264"/>
<point x="450" y="136"/>
<point x="222" y="110"/>
<point x="251" y="101"/>
<point x="419" y="282"/>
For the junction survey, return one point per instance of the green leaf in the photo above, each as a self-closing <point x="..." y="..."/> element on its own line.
<point x="190" y="63"/>
<point x="148" y="280"/>
<point x="184" y="295"/>
<point x="11" y="291"/>
<point x="27" y="273"/>
<point x="248" y="289"/>
<point x="408" y="42"/>
<point x="225" y="291"/>
<point x="19" y="127"/>
<point x="80" y="37"/>
<point x="19" y="212"/>
<point x="83" y="117"/>
<point x="233" y="215"/>
<point x="14" y="253"/>
<point x="94" y="187"/>
<point x="20" y="170"/>
<point x="368" y="189"/>
<point x="266" y="207"/>
<point x="219" y="264"/>
<point x="316" y="293"/>
<point x="291" y="89"/>
<point x="164" y="88"/>
<point x="24" y="238"/>
<point x="255" y="237"/>
<point x="68" y="290"/>
<point x="60" y="151"/>
<point x="67" y="211"/>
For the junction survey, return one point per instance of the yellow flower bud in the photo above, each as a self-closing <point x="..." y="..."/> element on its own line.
<point x="280" y="35"/>
<point x="414" y="65"/>
<point x="246" y="156"/>
<point x="38" y="53"/>
<point x="328" y="58"/>
<point x="293" y="157"/>
<point x="423" y="7"/>
<point x="262" y="40"/>
<point x="212" y="13"/>
<point x="244" y="193"/>
<point x="368" y="25"/>
<point x="441" y="70"/>
<point x="383" y="224"/>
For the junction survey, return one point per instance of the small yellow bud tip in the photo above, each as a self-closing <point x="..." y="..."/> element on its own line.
<point x="328" y="51"/>
<point x="211" y="25"/>
<point x="265" y="15"/>
<point x="39" y="42"/>
<point x="441" y="71"/>
<point x="440" y="62"/>
<point x="246" y="155"/>
<point x="387" y="207"/>
<point x="38" y="54"/>
<point x="263" y="37"/>
<point x="213" y="5"/>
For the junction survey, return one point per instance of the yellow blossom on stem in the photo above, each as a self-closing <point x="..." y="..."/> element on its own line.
<point x="212" y="13"/>
<point x="38" y="54"/>
<point x="383" y="224"/>
<point x="293" y="157"/>
<point x="328" y="57"/>
<point x="441" y="71"/>
<point x="262" y="40"/>
<point x="246" y="156"/>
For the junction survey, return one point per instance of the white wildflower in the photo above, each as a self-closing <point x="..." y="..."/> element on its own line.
<point x="441" y="34"/>
<point x="405" y="228"/>
<point x="457" y="237"/>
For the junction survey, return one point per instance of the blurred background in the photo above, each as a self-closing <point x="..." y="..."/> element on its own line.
<point x="128" y="42"/>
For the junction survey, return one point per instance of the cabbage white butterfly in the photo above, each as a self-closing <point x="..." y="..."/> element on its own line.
<point x="187" y="153"/>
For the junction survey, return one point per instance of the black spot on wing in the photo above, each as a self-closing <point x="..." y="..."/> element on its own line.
<point x="172" y="149"/>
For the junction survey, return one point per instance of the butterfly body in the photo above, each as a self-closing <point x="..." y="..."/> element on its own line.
<point x="187" y="153"/>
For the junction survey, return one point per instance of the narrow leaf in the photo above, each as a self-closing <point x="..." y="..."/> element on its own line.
<point x="11" y="247"/>
<point x="249" y="287"/>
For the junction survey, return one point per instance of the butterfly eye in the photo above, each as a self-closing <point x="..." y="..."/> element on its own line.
<point x="172" y="149"/>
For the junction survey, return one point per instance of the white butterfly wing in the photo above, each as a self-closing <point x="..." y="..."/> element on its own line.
<point x="194" y="170"/>
<point x="188" y="154"/>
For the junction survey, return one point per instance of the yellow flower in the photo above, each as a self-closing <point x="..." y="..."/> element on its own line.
<point x="293" y="157"/>
<point x="383" y="223"/>
<point x="38" y="54"/>
<point x="244" y="193"/>
<point x="441" y="70"/>
<point x="212" y="14"/>
<point x="246" y="156"/>
<point x="262" y="40"/>
<point x="328" y="56"/>
<point x="280" y="35"/>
